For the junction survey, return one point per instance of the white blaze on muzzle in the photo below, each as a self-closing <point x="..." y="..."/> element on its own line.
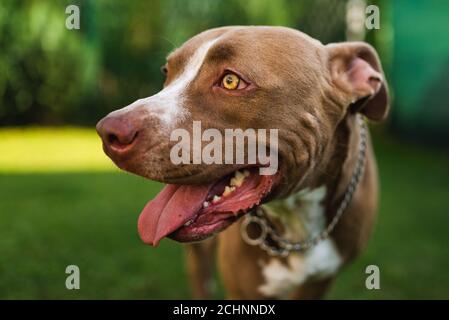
<point x="168" y="104"/>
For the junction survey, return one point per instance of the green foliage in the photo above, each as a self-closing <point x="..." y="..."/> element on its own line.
<point x="46" y="70"/>
<point x="52" y="75"/>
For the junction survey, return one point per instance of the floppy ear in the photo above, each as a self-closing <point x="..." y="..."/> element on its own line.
<point x="355" y="68"/>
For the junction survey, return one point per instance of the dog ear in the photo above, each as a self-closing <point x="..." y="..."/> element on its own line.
<point x="355" y="68"/>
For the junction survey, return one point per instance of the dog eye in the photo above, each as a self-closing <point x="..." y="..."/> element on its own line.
<point x="164" y="70"/>
<point x="231" y="81"/>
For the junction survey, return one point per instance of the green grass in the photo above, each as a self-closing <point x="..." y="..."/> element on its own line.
<point x="410" y="243"/>
<point x="35" y="149"/>
<point x="49" y="220"/>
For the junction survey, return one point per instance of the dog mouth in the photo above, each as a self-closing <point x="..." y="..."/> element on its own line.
<point x="187" y="213"/>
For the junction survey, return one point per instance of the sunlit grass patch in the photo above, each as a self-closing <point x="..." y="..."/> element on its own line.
<point x="65" y="149"/>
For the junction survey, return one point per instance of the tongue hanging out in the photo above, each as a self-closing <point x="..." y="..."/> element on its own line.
<point x="194" y="212"/>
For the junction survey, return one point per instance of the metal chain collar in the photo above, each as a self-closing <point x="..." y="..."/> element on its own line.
<point x="270" y="241"/>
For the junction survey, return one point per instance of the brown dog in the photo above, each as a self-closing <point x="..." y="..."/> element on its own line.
<point x="261" y="78"/>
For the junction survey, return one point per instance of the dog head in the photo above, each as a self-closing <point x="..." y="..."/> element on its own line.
<point x="240" y="78"/>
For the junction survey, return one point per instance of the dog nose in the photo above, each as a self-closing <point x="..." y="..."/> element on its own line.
<point x="117" y="133"/>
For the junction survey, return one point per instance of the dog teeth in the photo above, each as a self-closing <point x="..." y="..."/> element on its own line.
<point x="228" y="190"/>
<point x="238" y="179"/>
<point x="188" y="223"/>
<point x="235" y="182"/>
<point x="239" y="175"/>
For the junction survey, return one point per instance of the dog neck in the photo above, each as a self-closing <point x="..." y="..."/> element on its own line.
<point x="306" y="212"/>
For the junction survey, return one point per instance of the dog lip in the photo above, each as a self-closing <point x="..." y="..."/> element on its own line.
<point x="117" y="149"/>
<point x="208" y="229"/>
<point x="192" y="230"/>
<point x="121" y="154"/>
<point x="202" y="176"/>
<point x="122" y="149"/>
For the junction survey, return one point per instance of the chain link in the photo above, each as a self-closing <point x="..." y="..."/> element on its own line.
<point x="283" y="247"/>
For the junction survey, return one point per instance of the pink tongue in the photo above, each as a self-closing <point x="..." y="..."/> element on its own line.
<point x="173" y="206"/>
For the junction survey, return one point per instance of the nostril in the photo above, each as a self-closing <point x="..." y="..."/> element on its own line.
<point x="118" y="133"/>
<point x="121" y="141"/>
<point x="112" y="138"/>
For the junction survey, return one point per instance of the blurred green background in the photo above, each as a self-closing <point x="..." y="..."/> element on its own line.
<point x="62" y="202"/>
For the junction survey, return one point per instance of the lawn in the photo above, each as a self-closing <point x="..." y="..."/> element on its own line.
<point x="63" y="203"/>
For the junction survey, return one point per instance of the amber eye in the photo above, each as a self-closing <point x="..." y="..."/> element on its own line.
<point x="164" y="70"/>
<point x="230" y="81"/>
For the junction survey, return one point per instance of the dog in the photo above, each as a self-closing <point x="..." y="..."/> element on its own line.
<point x="279" y="236"/>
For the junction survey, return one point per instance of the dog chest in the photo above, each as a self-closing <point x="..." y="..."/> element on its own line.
<point x="302" y="215"/>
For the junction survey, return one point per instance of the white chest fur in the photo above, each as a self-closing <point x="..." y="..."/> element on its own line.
<point x="303" y="216"/>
